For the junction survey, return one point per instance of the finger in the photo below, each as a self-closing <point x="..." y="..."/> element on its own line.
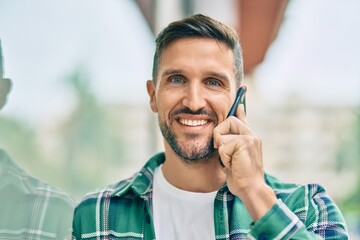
<point x="231" y="125"/>
<point x="229" y="146"/>
<point x="239" y="147"/>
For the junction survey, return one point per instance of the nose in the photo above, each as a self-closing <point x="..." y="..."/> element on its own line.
<point x="194" y="97"/>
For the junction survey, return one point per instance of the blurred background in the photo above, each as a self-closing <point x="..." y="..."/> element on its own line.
<point x="78" y="115"/>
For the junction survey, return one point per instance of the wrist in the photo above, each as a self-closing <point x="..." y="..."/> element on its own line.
<point x="258" y="200"/>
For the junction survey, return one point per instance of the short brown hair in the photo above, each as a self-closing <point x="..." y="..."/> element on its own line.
<point x="199" y="26"/>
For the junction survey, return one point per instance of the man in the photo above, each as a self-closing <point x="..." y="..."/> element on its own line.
<point x="29" y="208"/>
<point x="210" y="182"/>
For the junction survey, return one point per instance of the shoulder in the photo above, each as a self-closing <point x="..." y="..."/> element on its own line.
<point x="3" y="154"/>
<point x="15" y="179"/>
<point x="90" y="204"/>
<point x="284" y="189"/>
<point x="48" y="208"/>
<point x="310" y="202"/>
<point x="106" y="205"/>
<point x="139" y="183"/>
<point x="124" y="198"/>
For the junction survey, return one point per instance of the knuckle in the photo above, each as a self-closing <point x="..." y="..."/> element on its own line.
<point x="254" y="141"/>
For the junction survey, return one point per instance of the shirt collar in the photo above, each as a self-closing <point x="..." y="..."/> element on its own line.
<point x="141" y="183"/>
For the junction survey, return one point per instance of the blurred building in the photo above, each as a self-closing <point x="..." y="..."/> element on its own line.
<point x="136" y="126"/>
<point x="301" y="141"/>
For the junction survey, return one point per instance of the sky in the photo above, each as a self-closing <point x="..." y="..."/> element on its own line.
<point x="45" y="41"/>
<point x="315" y="56"/>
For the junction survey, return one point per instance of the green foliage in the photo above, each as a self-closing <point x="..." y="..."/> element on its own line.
<point x="349" y="149"/>
<point x="89" y="141"/>
<point x="349" y="159"/>
<point x="19" y="140"/>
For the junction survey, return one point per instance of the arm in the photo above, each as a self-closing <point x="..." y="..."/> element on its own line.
<point x="240" y="151"/>
<point x="323" y="220"/>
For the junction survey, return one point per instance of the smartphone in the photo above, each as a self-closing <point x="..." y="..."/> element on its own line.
<point x="240" y="99"/>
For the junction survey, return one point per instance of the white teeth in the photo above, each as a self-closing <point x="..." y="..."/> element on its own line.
<point x="193" y="123"/>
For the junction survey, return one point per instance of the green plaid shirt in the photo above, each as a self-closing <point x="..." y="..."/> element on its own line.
<point x="29" y="208"/>
<point x="124" y="211"/>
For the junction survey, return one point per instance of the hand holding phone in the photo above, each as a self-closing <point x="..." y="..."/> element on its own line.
<point x="239" y="99"/>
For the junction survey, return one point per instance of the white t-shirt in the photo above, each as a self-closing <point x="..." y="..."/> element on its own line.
<point x="180" y="214"/>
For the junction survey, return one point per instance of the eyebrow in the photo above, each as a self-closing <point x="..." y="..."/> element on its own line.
<point x="218" y="75"/>
<point x="171" y="72"/>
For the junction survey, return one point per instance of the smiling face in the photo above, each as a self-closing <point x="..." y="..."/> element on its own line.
<point x="195" y="88"/>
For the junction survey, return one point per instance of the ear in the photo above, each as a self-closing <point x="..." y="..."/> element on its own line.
<point x="5" y="88"/>
<point x="150" y="86"/>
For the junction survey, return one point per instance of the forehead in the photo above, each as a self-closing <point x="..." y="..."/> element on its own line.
<point x="199" y="43"/>
<point x="199" y="53"/>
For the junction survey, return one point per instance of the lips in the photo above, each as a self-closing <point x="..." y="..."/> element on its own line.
<point x="194" y="119"/>
<point x="193" y="123"/>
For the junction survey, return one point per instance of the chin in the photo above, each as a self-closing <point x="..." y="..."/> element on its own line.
<point x="193" y="157"/>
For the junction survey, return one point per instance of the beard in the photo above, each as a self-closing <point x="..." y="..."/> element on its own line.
<point x="189" y="150"/>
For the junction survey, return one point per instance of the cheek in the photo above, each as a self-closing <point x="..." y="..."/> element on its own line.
<point x="221" y="106"/>
<point x="166" y="103"/>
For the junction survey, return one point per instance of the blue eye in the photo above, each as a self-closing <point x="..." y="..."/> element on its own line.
<point x="214" y="82"/>
<point x="177" y="79"/>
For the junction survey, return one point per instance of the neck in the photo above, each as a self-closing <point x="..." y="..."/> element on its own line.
<point x="205" y="176"/>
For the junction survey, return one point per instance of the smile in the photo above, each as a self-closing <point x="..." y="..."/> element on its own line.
<point x="193" y="123"/>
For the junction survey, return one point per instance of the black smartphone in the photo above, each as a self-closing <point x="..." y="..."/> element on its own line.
<point x="240" y="99"/>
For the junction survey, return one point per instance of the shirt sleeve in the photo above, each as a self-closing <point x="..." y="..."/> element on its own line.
<point x="320" y="219"/>
<point x="278" y="223"/>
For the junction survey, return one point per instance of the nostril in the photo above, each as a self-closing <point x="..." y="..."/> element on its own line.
<point x="194" y="101"/>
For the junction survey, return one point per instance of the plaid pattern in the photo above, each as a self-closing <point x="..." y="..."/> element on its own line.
<point x="124" y="211"/>
<point x="29" y="208"/>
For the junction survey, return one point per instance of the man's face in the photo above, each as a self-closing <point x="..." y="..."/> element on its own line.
<point x="194" y="91"/>
<point x="5" y="87"/>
